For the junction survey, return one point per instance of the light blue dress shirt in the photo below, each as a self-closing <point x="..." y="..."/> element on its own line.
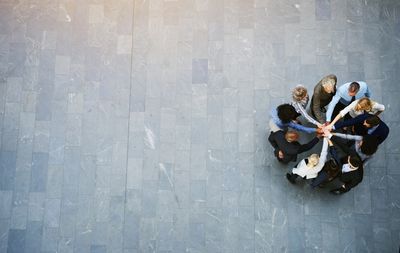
<point x="342" y="95"/>
<point x="280" y="124"/>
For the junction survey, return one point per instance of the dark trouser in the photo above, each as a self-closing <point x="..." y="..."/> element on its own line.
<point x="320" y="179"/>
<point x="293" y="177"/>
<point x="340" y="190"/>
<point x="338" y="107"/>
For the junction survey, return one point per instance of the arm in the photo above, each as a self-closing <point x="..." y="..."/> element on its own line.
<point x="302" y="128"/>
<point x="348" y="136"/>
<point x="307" y="116"/>
<point x="367" y="92"/>
<point x="322" y="156"/>
<point x="334" y="155"/>
<point x="379" y="108"/>
<point x="332" y="105"/>
<point x="324" y="153"/>
<point x="336" y="119"/>
<point x="272" y="141"/>
<point x="316" y="104"/>
<point x="343" y="112"/>
<point x="274" y="116"/>
<point x="307" y="146"/>
<point x="352" y="122"/>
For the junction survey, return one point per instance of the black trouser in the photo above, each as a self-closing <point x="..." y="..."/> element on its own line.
<point x="322" y="178"/>
<point x="340" y="106"/>
<point x="340" y="190"/>
<point x="293" y="177"/>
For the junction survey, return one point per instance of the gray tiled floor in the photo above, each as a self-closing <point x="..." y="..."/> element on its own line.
<point x="140" y="125"/>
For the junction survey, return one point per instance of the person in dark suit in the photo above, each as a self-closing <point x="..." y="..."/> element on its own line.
<point x="287" y="147"/>
<point x="366" y="124"/>
<point x="351" y="172"/>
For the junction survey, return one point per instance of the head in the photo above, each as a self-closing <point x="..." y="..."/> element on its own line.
<point x="291" y="136"/>
<point x="354" y="161"/>
<point x="313" y="160"/>
<point x="369" y="145"/>
<point x="353" y="89"/>
<point x="299" y="93"/>
<point x="364" y="104"/>
<point x="286" y="113"/>
<point x="329" y="83"/>
<point x="372" y="121"/>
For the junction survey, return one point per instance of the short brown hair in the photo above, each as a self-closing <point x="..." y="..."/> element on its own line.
<point x="354" y="87"/>
<point x="373" y="120"/>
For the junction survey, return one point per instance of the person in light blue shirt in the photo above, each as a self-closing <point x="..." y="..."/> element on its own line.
<point x="284" y="116"/>
<point x="346" y="94"/>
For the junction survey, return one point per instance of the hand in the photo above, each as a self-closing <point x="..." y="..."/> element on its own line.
<point x="329" y="127"/>
<point x="319" y="132"/>
<point x="330" y="142"/>
<point x="327" y="132"/>
<point x="280" y="154"/>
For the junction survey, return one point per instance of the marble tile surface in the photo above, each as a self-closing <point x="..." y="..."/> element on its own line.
<point x="141" y="125"/>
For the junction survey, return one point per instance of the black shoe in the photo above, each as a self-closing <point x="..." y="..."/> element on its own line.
<point x="323" y="109"/>
<point x="288" y="177"/>
<point x="336" y="192"/>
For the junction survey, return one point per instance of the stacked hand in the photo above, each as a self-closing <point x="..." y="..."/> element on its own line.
<point x="324" y="130"/>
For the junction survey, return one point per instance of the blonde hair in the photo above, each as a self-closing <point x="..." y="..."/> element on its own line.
<point x="291" y="136"/>
<point x="329" y="81"/>
<point x="299" y="93"/>
<point x="313" y="160"/>
<point x="364" y="104"/>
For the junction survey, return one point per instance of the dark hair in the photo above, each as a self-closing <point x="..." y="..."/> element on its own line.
<point x="354" y="87"/>
<point x="373" y="120"/>
<point x="355" y="161"/>
<point x="286" y="113"/>
<point x="369" y="144"/>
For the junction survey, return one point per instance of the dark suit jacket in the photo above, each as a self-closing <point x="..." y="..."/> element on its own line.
<point x="290" y="149"/>
<point x="381" y="132"/>
<point x="352" y="178"/>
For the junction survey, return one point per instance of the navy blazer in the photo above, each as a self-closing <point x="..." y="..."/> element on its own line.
<point x="290" y="149"/>
<point x="381" y="132"/>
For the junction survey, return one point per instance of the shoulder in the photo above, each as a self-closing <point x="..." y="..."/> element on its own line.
<point x="318" y="87"/>
<point x="278" y="134"/>
<point x="344" y="87"/>
<point x="362" y="83"/>
<point x="355" y="102"/>
<point x="295" y="143"/>
<point x="383" y="126"/>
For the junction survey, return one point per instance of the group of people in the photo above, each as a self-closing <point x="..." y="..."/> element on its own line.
<point x="345" y="118"/>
